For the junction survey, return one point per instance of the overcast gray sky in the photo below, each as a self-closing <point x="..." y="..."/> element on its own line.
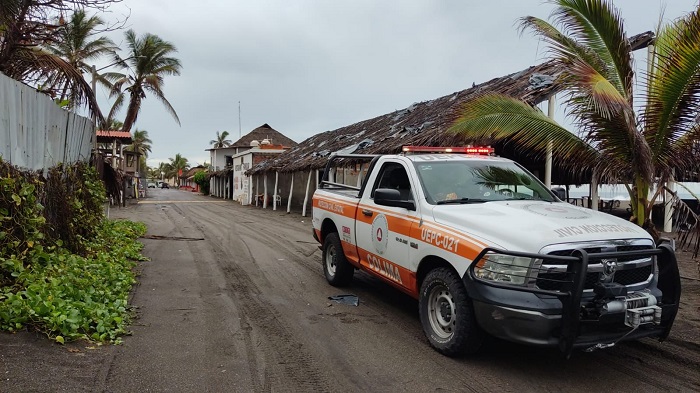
<point x="305" y="67"/>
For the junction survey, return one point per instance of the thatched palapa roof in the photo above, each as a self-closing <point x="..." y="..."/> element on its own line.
<point x="425" y="123"/>
<point x="264" y="132"/>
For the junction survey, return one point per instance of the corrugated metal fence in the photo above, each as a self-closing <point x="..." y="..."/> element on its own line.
<point x="35" y="133"/>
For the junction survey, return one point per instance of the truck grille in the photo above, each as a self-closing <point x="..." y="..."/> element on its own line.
<point x="630" y="271"/>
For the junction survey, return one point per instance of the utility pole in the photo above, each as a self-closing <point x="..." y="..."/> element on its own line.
<point x="239" y="120"/>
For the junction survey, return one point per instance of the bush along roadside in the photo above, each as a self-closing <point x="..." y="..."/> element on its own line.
<point x="56" y="275"/>
<point x="69" y="296"/>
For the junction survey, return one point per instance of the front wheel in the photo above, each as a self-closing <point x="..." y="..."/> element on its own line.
<point x="447" y="315"/>
<point x="336" y="267"/>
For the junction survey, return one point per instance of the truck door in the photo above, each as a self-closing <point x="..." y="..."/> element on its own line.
<point x="383" y="232"/>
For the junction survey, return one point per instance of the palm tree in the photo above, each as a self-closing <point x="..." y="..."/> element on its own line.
<point x="141" y="142"/>
<point x="614" y="142"/>
<point x="25" y="36"/>
<point x="178" y="165"/>
<point x="220" y="140"/>
<point x="149" y="61"/>
<point x="112" y="125"/>
<point x="76" y="45"/>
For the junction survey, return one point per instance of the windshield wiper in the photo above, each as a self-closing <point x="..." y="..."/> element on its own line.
<point x="461" y="201"/>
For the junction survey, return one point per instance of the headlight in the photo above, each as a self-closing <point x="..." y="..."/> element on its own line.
<point x="504" y="268"/>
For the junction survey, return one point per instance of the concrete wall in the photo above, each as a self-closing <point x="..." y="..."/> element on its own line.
<point x="35" y="133"/>
<point x="241" y="188"/>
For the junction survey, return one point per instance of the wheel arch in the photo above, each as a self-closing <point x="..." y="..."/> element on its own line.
<point x="328" y="226"/>
<point x="429" y="263"/>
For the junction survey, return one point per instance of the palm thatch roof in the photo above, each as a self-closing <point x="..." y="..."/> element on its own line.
<point x="425" y="123"/>
<point x="264" y="132"/>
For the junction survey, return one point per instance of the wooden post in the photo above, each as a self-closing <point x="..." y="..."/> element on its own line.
<point x="257" y="189"/>
<point x="668" y="208"/>
<point x="250" y="190"/>
<point x="359" y="177"/>
<point x="274" y="192"/>
<point x="548" y="161"/>
<point x="265" y="191"/>
<point x="114" y="154"/>
<point x="306" y="195"/>
<point x="289" y="201"/>
<point x="594" y="192"/>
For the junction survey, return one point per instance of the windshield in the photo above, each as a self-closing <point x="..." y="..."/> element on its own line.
<point x="472" y="181"/>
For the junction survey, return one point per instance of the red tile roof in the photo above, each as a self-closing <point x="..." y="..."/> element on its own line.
<point x="107" y="136"/>
<point x="114" y="134"/>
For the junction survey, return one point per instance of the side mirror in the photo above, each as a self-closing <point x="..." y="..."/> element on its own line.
<point x="391" y="197"/>
<point x="560" y="192"/>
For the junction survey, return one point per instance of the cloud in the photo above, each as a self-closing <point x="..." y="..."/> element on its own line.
<point x="305" y="67"/>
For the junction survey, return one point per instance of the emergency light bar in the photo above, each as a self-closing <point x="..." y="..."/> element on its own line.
<point x="481" y="150"/>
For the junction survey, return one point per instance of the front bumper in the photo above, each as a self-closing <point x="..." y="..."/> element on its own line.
<point x="567" y="318"/>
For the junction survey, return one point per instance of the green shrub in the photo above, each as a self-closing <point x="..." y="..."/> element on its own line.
<point x="64" y="269"/>
<point x="69" y="296"/>
<point x="202" y="180"/>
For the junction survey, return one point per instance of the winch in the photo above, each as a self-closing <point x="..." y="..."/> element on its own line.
<point x="639" y="307"/>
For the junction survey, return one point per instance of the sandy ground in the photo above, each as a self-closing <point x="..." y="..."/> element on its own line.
<point x="246" y="309"/>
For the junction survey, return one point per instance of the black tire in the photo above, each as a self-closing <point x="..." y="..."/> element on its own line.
<point x="338" y="270"/>
<point x="447" y="314"/>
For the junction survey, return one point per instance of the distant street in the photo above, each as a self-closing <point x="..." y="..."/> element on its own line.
<point x="246" y="309"/>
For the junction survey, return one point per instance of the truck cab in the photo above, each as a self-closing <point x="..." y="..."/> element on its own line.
<point x="486" y="248"/>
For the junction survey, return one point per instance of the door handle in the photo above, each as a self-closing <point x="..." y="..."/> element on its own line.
<point x="367" y="213"/>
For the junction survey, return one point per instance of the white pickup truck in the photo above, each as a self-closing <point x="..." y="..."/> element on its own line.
<point x="485" y="247"/>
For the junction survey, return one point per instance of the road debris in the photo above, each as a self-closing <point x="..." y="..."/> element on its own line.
<point x="351" y="300"/>
<point x="159" y="237"/>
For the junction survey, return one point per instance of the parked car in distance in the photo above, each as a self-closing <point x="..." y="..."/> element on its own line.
<point x="151" y="185"/>
<point x="164" y="185"/>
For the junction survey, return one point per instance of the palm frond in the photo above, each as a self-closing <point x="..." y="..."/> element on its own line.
<point x="150" y="61"/>
<point x="161" y="97"/>
<point x="593" y="91"/>
<point x="564" y="48"/>
<point x="674" y="90"/>
<point x="598" y="26"/>
<point x="498" y="117"/>
<point x="36" y="64"/>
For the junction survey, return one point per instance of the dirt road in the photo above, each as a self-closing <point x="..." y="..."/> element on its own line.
<point x="234" y="299"/>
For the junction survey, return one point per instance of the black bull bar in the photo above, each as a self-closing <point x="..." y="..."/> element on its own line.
<point x="572" y="287"/>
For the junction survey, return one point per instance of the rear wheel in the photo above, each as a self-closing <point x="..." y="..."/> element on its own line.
<point x="447" y="315"/>
<point x="336" y="267"/>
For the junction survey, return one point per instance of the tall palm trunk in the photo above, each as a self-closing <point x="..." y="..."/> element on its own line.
<point x="132" y="111"/>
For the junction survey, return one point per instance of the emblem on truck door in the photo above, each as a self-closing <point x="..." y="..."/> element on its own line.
<point x="380" y="233"/>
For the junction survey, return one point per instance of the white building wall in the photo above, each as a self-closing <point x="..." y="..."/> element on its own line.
<point x="241" y="189"/>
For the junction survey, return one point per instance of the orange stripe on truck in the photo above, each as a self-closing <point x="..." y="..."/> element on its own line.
<point x="395" y="275"/>
<point x="334" y="206"/>
<point x="430" y="233"/>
